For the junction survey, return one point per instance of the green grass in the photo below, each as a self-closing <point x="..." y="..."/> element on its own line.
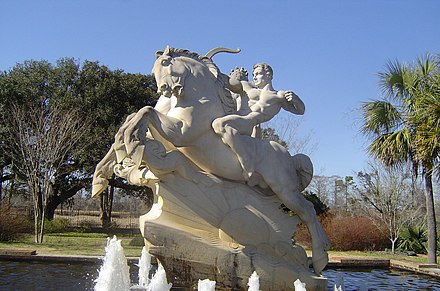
<point x="75" y="244"/>
<point x="93" y="244"/>
<point x="419" y="259"/>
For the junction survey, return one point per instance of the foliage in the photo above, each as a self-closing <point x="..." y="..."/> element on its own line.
<point x="386" y="195"/>
<point x="320" y="207"/>
<point x="365" y="236"/>
<point x="286" y="131"/>
<point x="404" y="125"/>
<point x="343" y="236"/>
<point x="85" y="226"/>
<point x="413" y="238"/>
<point x="270" y="134"/>
<point x="13" y="224"/>
<point x="56" y="225"/>
<point x="45" y="139"/>
<point x="93" y="91"/>
<point x="137" y="241"/>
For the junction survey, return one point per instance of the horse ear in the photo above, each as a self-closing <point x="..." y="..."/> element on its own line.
<point x="158" y="54"/>
<point x="167" y="50"/>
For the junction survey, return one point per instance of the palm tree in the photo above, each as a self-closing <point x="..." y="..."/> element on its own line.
<point x="405" y="125"/>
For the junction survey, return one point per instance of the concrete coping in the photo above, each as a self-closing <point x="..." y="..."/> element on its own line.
<point x="16" y="252"/>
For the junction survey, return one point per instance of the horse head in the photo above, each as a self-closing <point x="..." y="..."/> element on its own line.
<point x="169" y="73"/>
<point x="173" y="66"/>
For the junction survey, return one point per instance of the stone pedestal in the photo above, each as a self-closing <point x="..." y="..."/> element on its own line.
<point x="224" y="231"/>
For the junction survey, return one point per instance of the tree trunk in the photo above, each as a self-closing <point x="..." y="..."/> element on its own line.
<point x="57" y="198"/>
<point x="393" y="245"/>
<point x="106" y="204"/>
<point x="430" y="217"/>
<point x="51" y="206"/>
<point x="36" y="220"/>
<point x="104" y="207"/>
<point x="41" y="228"/>
<point x="1" y="185"/>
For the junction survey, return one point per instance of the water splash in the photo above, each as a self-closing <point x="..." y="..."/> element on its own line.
<point x="159" y="281"/>
<point x="299" y="286"/>
<point x="206" y="285"/>
<point x="254" y="282"/>
<point x="114" y="273"/>
<point x="144" y="268"/>
<point x="339" y="282"/>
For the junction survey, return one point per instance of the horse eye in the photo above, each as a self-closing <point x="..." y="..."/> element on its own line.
<point x="165" y="62"/>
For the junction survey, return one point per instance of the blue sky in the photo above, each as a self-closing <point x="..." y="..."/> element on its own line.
<point x="328" y="52"/>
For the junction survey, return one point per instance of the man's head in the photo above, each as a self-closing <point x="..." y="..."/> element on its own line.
<point x="262" y="75"/>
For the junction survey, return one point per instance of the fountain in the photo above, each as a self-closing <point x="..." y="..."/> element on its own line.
<point x="114" y="273"/>
<point x="206" y="285"/>
<point x="254" y="282"/>
<point x="219" y="189"/>
<point x="144" y="268"/>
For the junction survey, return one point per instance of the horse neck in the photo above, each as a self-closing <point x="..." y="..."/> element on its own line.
<point x="201" y="86"/>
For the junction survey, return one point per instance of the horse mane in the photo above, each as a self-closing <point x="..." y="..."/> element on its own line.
<point x="225" y="96"/>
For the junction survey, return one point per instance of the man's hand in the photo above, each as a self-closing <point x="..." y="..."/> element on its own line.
<point x="289" y="96"/>
<point x="239" y="74"/>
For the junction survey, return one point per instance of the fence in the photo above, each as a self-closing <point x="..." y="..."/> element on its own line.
<point x="81" y="218"/>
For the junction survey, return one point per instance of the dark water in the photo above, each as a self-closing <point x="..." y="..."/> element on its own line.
<point x="75" y="276"/>
<point x="380" y="279"/>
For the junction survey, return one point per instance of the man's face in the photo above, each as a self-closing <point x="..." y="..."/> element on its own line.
<point x="261" y="78"/>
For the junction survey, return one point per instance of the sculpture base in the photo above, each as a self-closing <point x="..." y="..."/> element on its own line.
<point x="227" y="240"/>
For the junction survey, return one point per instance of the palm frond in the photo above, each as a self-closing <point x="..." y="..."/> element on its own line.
<point x="394" y="80"/>
<point x="380" y="117"/>
<point x="426" y="65"/>
<point x="392" y="148"/>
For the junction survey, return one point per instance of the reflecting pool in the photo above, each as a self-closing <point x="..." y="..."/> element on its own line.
<point x="80" y="276"/>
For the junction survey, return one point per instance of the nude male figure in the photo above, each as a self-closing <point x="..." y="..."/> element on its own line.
<point x="263" y="103"/>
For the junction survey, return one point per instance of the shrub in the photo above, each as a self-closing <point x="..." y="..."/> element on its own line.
<point x="348" y="233"/>
<point x="137" y="241"/>
<point x="356" y="233"/>
<point x="13" y="224"/>
<point x="86" y="226"/>
<point x="56" y="225"/>
<point x="413" y="238"/>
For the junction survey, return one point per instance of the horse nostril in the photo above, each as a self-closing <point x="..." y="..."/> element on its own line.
<point x="163" y="87"/>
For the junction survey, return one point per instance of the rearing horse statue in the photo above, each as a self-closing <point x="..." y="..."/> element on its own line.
<point x="193" y="95"/>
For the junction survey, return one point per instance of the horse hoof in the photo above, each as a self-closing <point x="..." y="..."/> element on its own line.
<point x="98" y="186"/>
<point x="319" y="261"/>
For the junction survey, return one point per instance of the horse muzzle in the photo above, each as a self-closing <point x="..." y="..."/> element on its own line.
<point x="165" y="90"/>
<point x="168" y="91"/>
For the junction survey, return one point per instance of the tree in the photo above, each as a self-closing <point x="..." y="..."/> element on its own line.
<point x="46" y="137"/>
<point x="286" y="130"/>
<point x="328" y="188"/>
<point x="343" y="186"/>
<point x="396" y="126"/>
<point x="91" y="90"/>
<point x="385" y="196"/>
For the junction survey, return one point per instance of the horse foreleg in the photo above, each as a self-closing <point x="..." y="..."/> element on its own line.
<point x="168" y="128"/>
<point x="103" y="172"/>
<point x="118" y="145"/>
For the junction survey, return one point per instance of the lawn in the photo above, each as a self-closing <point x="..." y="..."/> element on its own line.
<point x="419" y="259"/>
<point x="76" y="244"/>
<point x="93" y="244"/>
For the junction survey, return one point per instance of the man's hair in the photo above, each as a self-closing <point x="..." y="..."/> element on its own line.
<point x="265" y="67"/>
